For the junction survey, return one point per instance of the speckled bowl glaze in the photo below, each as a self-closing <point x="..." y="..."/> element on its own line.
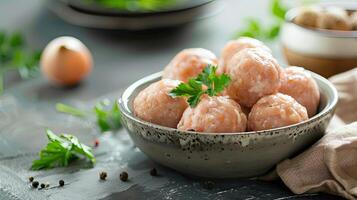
<point x="224" y="155"/>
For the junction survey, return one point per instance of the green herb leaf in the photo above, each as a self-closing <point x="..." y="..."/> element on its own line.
<point x="254" y="28"/>
<point x="278" y="10"/>
<point x="107" y="118"/>
<point x="63" y="108"/>
<point x="60" y="151"/>
<point x="2" y="38"/>
<point x="193" y="89"/>
<point x="13" y="56"/>
<point x="273" y="32"/>
<point x="16" y="40"/>
<point x="215" y="84"/>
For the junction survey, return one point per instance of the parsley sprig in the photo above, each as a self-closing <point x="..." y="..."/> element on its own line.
<point x="106" y="118"/>
<point x="14" y="56"/>
<point x="194" y="89"/>
<point x="256" y="29"/>
<point x="60" y="151"/>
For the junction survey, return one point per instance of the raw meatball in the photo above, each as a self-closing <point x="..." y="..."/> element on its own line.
<point x="334" y="18"/>
<point x="308" y="16"/>
<point x="299" y="84"/>
<point x="153" y="104"/>
<point x="217" y="114"/>
<point x="275" y="111"/>
<point x="354" y="20"/>
<point x="234" y="46"/>
<point x="254" y="73"/>
<point x="188" y="64"/>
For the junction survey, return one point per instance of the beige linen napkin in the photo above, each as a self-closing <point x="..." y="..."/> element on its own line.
<point x="331" y="164"/>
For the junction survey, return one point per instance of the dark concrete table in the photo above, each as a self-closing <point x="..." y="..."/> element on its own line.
<point x="120" y="58"/>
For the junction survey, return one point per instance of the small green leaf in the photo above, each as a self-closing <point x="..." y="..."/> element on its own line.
<point x="18" y="58"/>
<point x="253" y="28"/>
<point x="273" y="32"/>
<point x="2" y="38"/>
<point x="193" y="100"/>
<point x="63" y="108"/>
<point x="116" y="116"/>
<point x="60" y="151"/>
<point x="278" y="10"/>
<point x="102" y="118"/>
<point x="193" y="88"/>
<point x="1" y="83"/>
<point x="16" y="40"/>
<point x="107" y="118"/>
<point x="14" y="56"/>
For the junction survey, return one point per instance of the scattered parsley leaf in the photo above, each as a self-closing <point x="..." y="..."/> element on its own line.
<point x="63" y="108"/>
<point x="254" y="28"/>
<point x="278" y="10"/>
<point x="273" y="32"/>
<point x="13" y="56"/>
<point x="60" y="151"/>
<point x="193" y="88"/>
<point x="107" y="118"/>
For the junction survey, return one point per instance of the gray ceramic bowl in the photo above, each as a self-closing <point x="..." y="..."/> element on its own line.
<point x="227" y="155"/>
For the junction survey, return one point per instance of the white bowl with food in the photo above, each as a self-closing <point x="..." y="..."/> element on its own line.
<point x="321" y="38"/>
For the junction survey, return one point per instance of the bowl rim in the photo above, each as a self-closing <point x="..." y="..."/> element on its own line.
<point x="291" y="14"/>
<point x="124" y="109"/>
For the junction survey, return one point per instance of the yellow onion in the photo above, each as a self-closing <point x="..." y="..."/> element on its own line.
<point x="66" y="61"/>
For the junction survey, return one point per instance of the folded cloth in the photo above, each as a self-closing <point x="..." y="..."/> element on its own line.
<point x="330" y="165"/>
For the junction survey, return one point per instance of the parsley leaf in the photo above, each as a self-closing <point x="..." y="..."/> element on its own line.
<point x="60" y="151"/>
<point x="13" y="56"/>
<point x="106" y="118"/>
<point x="193" y="88"/>
<point x="278" y="10"/>
<point x="254" y="27"/>
<point x="215" y="84"/>
<point x="60" y="107"/>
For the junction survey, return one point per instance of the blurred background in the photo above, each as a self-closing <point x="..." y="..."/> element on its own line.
<point x="133" y="39"/>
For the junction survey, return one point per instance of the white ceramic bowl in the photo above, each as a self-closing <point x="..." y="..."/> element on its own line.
<point x="326" y="52"/>
<point x="224" y="155"/>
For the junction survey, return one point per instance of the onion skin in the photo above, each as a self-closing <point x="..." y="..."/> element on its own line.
<point x="66" y="61"/>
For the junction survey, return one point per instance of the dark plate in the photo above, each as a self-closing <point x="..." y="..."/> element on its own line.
<point x="95" y="8"/>
<point x="133" y="22"/>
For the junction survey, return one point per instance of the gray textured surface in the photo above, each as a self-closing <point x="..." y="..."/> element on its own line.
<point x="120" y="58"/>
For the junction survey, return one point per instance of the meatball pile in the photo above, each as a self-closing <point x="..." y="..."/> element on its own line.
<point x="331" y="18"/>
<point x="261" y="94"/>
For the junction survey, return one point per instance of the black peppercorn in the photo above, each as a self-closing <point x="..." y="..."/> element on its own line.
<point x="35" y="184"/>
<point x="124" y="176"/>
<point x="153" y="172"/>
<point x="103" y="175"/>
<point x="208" y="185"/>
<point x="43" y="185"/>
<point x="31" y="178"/>
<point x="61" y="183"/>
